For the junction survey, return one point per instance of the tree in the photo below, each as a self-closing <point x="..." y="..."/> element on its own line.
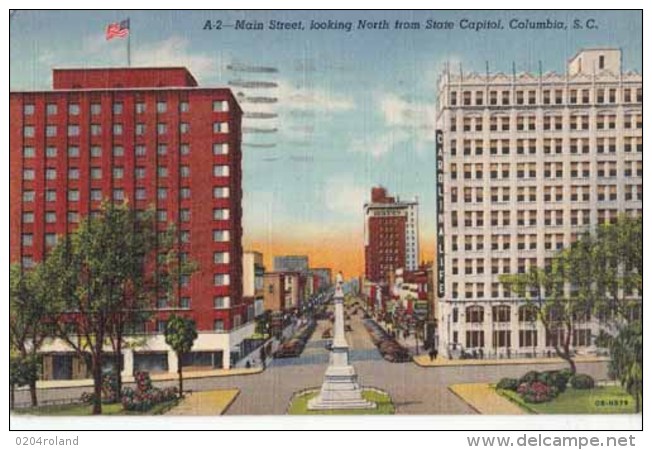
<point x="552" y="292"/>
<point x="92" y="274"/>
<point x="180" y="335"/>
<point x="28" y="312"/>
<point x="23" y="371"/>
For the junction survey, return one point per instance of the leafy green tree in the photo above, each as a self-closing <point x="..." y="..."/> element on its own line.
<point x="28" y="314"/>
<point x="23" y="371"/>
<point x="180" y="335"/>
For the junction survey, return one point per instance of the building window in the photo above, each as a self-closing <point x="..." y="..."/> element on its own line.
<point x="162" y="171"/>
<point x="162" y="149"/>
<point x="220" y="106"/>
<point x="28" y="109"/>
<point x="162" y="215"/>
<point x="184" y="106"/>
<point x="118" y="173"/>
<point x="140" y="129"/>
<point x="117" y="129"/>
<point x="28" y="217"/>
<point x="96" y="129"/>
<point x="29" y="152"/>
<point x="184" y="302"/>
<point x="27" y="262"/>
<point x="474" y="339"/>
<point x="218" y="325"/>
<point x="51" y="130"/>
<point x="73" y="195"/>
<point x="184" y="171"/>
<point x="96" y="109"/>
<point x="220" y="192"/>
<point x="184" y="128"/>
<point x="221" y="148"/>
<point x="118" y="194"/>
<point x="221" y="127"/>
<point x="162" y="193"/>
<point x="221" y="279"/>
<point x="161" y="107"/>
<point x="162" y="128"/>
<point x="51" y="109"/>
<point x="50" y="217"/>
<point x="50" y="239"/>
<point x="161" y="326"/>
<point x="51" y="152"/>
<point x="27" y="239"/>
<point x="73" y="109"/>
<point x="221" y="302"/>
<point x="184" y="149"/>
<point x="73" y="173"/>
<point x="502" y="338"/>
<point x="527" y="338"/>
<point x="601" y="62"/>
<point x="73" y="217"/>
<point x="474" y="314"/>
<point x="73" y="152"/>
<point x="220" y="235"/>
<point x="118" y="151"/>
<point x="140" y="107"/>
<point x="500" y="313"/>
<point x="184" y="193"/>
<point x="96" y="151"/>
<point x="117" y="108"/>
<point x="221" y="257"/>
<point x="28" y="196"/>
<point x="220" y="171"/>
<point x="220" y="214"/>
<point x="141" y="194"/>
<point x="140" y="150"/>
<point x="184" y="215"/>
<point x="50" y="174"/>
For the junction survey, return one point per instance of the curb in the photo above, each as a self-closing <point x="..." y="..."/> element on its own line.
<point x="463" y="400"/>
<point x="514" y="362"/>
<point x="228" y="405"/>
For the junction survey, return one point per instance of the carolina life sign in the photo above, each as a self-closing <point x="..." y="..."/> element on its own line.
<point x="439" y="150"/>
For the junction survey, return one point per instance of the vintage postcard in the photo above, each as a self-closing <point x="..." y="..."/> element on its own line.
<point x="334" y="213"/>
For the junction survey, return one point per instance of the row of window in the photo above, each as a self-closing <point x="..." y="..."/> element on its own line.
<point x="554" y="146"/>
<point x="575" y="122"/>
<point x="578" y="169"/>
<point x="118" y="172"/>
<point x="74" y="109"/>
<point x="504" y="241"/>
<point x="73" y="195"/>
<point x="29" y="131"/>
<point x="550" y="193"/>
<point x="530" y="218"/>
<point x="526" y="338"/>
<point x="571" y="96"/>
<point x="51" y="151"/>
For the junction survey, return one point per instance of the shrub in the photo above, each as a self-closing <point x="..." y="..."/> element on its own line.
<point x="510" y="384"/>
<point x="110" y="388"/>
<point x="536" y="392"/>
<point x="582" y="381"/>
<point x="529" y="377"/>
<point x="145" y="396"/>
<point x="566" y="374"/>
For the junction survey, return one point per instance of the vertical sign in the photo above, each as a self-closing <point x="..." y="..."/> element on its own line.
<point x="439" y="150"/>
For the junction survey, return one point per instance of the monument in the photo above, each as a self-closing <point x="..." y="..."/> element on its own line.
<point x="340" y="389"/>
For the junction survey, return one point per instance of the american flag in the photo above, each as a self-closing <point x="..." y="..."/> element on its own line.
<point x="117" y="29"/>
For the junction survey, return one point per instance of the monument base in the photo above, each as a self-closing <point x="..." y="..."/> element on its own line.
<point x="340" y="391"/>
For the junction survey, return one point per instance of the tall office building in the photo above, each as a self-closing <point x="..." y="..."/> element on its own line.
<point x="525" y="164"/>
<point x="154" y="138"/>
<point x="391" y="235"/>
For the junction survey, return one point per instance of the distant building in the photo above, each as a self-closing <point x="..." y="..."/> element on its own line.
<point x="291" y="263"/>
<point x="253" y="272"/>
<point x="325" y="276"/>
<point x="274" y="291"/>
<point x="391" y="235"/>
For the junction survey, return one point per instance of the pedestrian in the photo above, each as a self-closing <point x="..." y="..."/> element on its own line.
<point x="436" y="353"/>
<point x="431" y="353"/>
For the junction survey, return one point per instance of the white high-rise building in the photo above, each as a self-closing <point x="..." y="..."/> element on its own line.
<point x="526" y="163"/>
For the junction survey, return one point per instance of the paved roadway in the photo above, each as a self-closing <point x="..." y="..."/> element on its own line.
<point x="414" y="390"/>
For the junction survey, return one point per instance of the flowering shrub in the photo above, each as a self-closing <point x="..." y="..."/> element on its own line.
<point x="529" y="377"/>
<point x="537" y="392"/>
<point x="554" y="378"/>
<point x="110" y="388"/>
<point x="145" y="396"/>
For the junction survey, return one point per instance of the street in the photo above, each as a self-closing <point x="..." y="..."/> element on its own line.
<point x="414" y="389"/>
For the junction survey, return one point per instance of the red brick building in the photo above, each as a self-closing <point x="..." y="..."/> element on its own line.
<point x="150" y="136"/>
<point x="391" y="236"/>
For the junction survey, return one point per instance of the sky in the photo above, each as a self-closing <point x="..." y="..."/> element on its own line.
<point x="354" y="109"/>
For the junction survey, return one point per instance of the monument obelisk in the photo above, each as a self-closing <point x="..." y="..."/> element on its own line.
<point x="340" y="389"/>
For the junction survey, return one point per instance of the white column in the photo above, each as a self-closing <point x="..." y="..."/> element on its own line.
<point x="128" y="367"/>
<point x="173" y="362"/>
<point x="226" y="356"/>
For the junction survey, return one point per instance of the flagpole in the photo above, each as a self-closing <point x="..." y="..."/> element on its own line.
<point x="129" y="47"/>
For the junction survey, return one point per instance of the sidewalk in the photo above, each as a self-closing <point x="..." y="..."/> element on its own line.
<point x="205" y="403"/>
<point x="483" y="399"/>
<point x="86" y="382"/>
<point x="424" y="361"/>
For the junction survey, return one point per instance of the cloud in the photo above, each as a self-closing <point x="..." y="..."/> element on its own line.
<point x="316" y="99"/>
<point x="344" y="196"/>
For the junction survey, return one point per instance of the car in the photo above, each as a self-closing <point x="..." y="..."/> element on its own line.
<point x="329" y="345"/>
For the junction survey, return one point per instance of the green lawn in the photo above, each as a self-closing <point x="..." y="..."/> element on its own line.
<point x="80" y="409"/>
<point x="384" y="404"/>
<point x="601" y="400"/>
